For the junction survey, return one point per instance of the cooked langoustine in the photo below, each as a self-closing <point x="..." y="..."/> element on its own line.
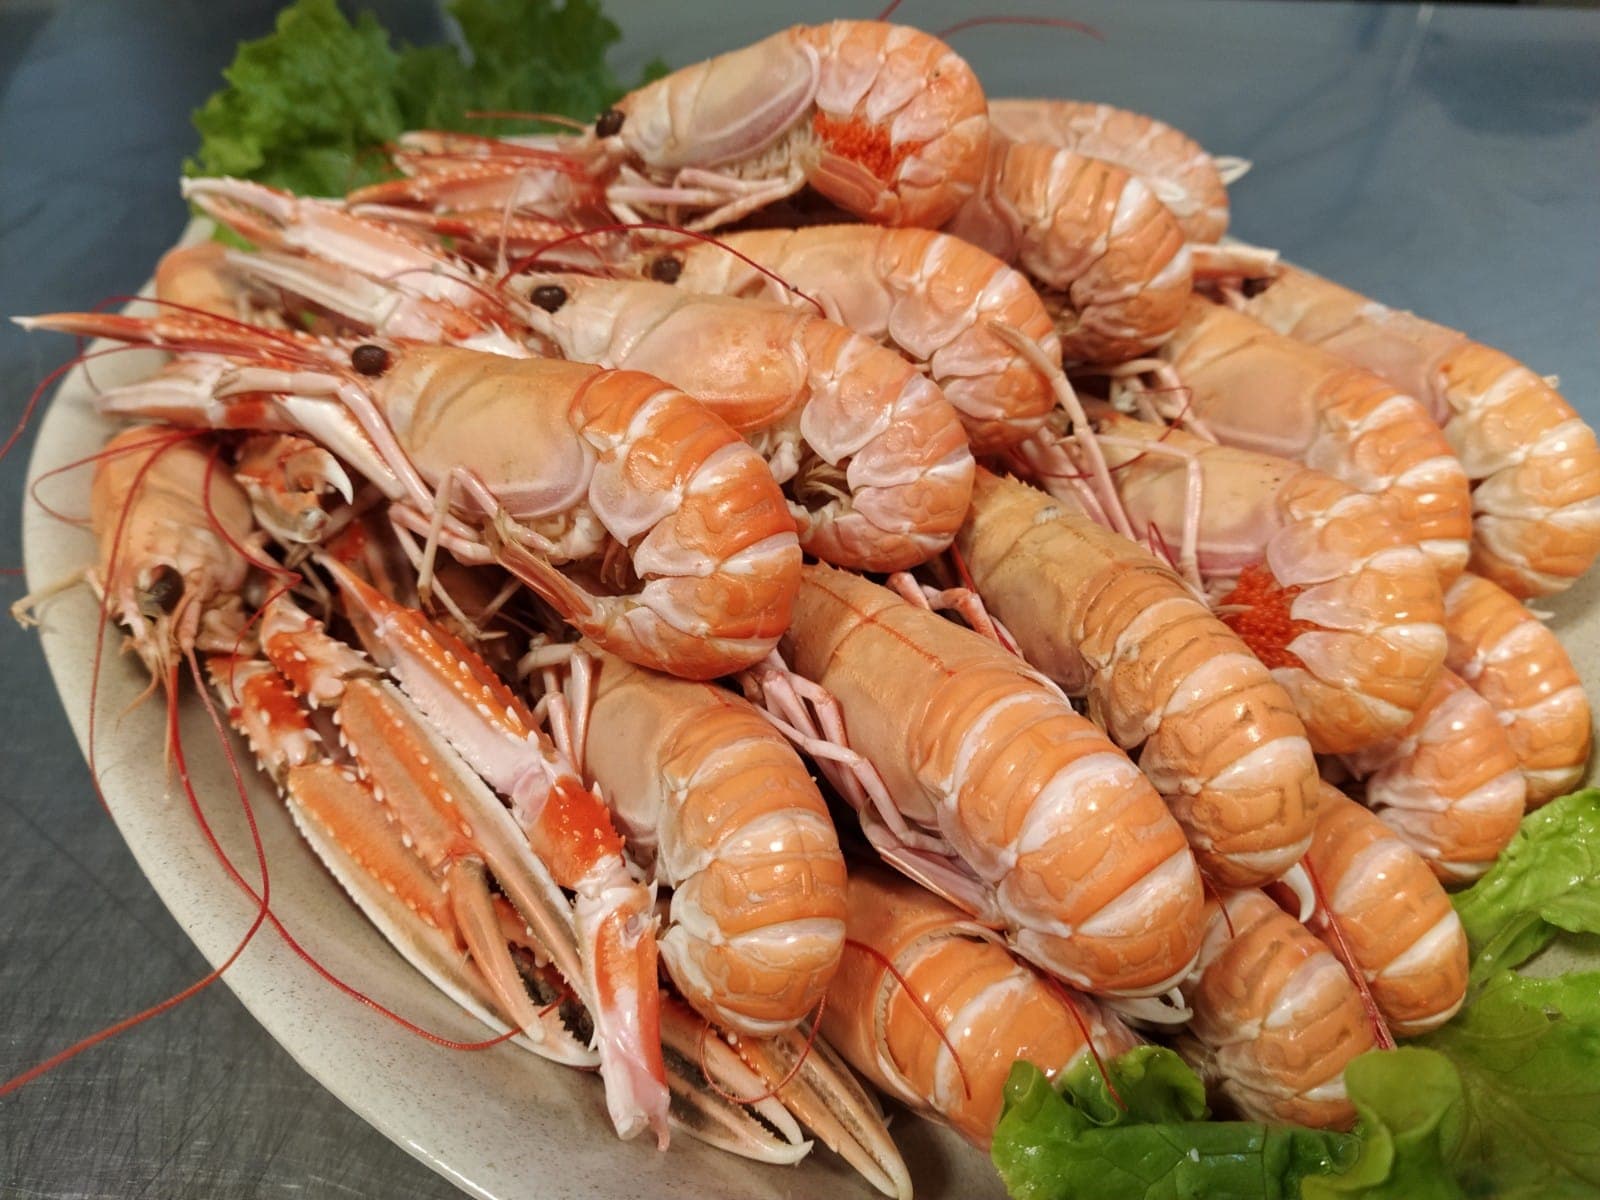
<point x="712" y="798"/>
<point x="598" y="458"/>
<point x="419" y="153"/>
<point x="996" y="793"/>
<point x="1448" y="784"/>
<point x="1533" y="462"/>
<point x="368" y="272"/>
<point x="175" y="540"/>
<point x="1387" y="917"/>
<point x="1110" y="259"/>
<point x="981" y="1010"/>
<point x="283" y="222"/>
<point x="500" y="194"/>
<point x="173" y="532"/>
<point x="933" y="297"/>
<point x="1263" y="391"/>
<point x="874" y="455"/>
<point x="874" y="458"/>
<point x="1311" y="574"/>
<point x="884" y="120"/>
<point x="1276" y="1016"/>
<point x="1188" y="181"/>
<point x="1507" y="655"/>
<point x="1105" y="619"/>
<point x="715" y="802"/>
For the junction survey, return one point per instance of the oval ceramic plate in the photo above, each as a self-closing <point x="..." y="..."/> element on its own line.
<point x="498" y="1122"/>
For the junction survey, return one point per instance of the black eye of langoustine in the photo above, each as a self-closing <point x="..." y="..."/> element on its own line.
<point x="369" y="359"/>
<point x="609" y="123"/>
<point x="549" y="296"/>
<point x="164" y="590"/>
<point x="666" y="268"/>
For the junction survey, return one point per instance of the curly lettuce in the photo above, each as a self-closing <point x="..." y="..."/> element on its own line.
<point x="1410" y="1104"/>
<point x="1155" y="1145"/>
<point x="311" y="106"/>
<point x="1546" y="882"/>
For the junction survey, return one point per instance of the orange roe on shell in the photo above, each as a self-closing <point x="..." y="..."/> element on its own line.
<point x="861" y="143"/>
<point x="1265" y="624"/>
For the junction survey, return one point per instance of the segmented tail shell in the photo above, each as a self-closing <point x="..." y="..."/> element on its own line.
<point x="1263" y="391"/>
<point x="1112" y="257"/>
<point x="1067" y="843"/>
<point x="934" y="297"/>
<point x="1183" y="176"/>
<point x="1392" y="916"/>
<point x="713" y="799"/>
<point x="991" y="1010"/>
<point x="1533" y="461"/>
<point x="901" y="119"/>
<point x="1448" y="785"/>
<point x="1338" y="602"/>
<point x="1276" y="1016"/>
<point x="1507" y="655"/>
<point x="1105" y="619"/>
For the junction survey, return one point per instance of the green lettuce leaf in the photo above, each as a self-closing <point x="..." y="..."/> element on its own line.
<point x="1153" y="1085"/>
<point x="1547" y="880"/>
<point x="1528" y="1052"/>
<point x="1410" y="1104"/>
<point x="305" y="107"/>
<point x="311" y="106"/>
<point x="538" y="57"/>
<point x="1047" y="1147"/>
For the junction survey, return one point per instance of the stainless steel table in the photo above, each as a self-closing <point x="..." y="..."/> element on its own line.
<point x="1441" y="158"/>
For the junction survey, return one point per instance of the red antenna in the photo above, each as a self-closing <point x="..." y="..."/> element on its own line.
<point x="1341" y="951"/>
<point x="921" y="1005"/>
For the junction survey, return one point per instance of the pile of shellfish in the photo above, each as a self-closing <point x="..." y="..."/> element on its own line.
<point x="864" y="568"/>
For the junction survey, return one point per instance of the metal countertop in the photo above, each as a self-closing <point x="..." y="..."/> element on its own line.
<point x="1439" y="158"/>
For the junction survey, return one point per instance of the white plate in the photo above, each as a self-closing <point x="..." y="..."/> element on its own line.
<point x="500" y="1122"/>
